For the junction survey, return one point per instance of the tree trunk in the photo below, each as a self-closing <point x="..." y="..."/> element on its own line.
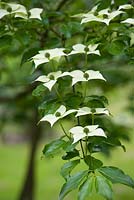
<point x="27" y="192"/>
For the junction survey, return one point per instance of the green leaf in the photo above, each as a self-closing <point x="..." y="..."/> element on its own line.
<point x="5" y="40"/>
<point x="116" y="48"/>
<point x="28" y="54"/>
<point x="73" y="100"/>
<point x="104" y="4"/>
<point x="116" y="175"/>
<point x="49" y="106"/>
<point x="86" y="189"/>
<point x="72" y="183"/>
<point x="39" y="91"/>
<point x="92" y="162"/>
<point x="70" y="154"/>
<point x="114" y="142"/>
<point x="53" y="147"/>
<point x="68" y="167"/>
<point x="103" y="187"/>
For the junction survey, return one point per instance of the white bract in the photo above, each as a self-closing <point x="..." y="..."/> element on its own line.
<point x="50" y="80"/>
<point x="20" y="11"/>
<point x="3" y="13"/>
<point x="60" y="113"/>
<point x="129" y="21"/>
<point x="35" y="13"/>
<point x="78" y="76"/>
<point x="44" y="56"/>
<point x="104" y="16"/>
<point x="81" y="48"/>
<point x="88" y="111"/>
<point x="125" y="7"/>
<point x="80" y="132"/>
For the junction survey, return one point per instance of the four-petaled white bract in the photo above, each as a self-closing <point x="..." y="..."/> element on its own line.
<point x="50" y="80"/>
<point x="78" y="76"/>
<point x="129" y="21"/>
<point x="79" y="132"/>
<point x="60" y="113"/>
<point x="103" y="16"/>
<point x="20" y="11"/>
<point x="45" y="56"/>
<point x="88" y="111"/>
<point x="80" y="48"/>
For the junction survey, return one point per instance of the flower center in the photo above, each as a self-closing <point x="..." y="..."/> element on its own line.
<point x="57" y="114"/>
<point x="51" y="77"/>
<point x="86" y="75"/>
<point x="67" y="51"/>
<point x="93" y="110"/>
<point x="95" y="13"/>
<point x="105" y="16"/>
<point x="86" y="49"/>
<point x="47" y="55"/>
<point x="9" y="9"/>
<point x="86" y="130"/>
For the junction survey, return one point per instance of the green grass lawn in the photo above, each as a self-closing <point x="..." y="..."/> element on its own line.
<point x="13" y="163"/>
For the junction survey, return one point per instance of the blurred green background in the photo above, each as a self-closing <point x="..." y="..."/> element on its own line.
<point x="21" y="140"/>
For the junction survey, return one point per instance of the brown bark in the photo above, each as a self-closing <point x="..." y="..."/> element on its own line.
<point x="27" y="192"/>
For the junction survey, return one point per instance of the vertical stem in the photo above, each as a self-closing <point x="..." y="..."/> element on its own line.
<point x="92" y="119"/>
<point x="64" y="131"/>
<point x="58" y="94"/>
<point x="85" y="89"/>
<point x="82" y="148"/>
<point x="78" y="120"/>
<point x="86" y="59"/>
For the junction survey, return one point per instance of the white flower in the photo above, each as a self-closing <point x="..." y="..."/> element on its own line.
<point x="35" y="13"/>
<point x="45" y="56"/>
<point x="3" y="13"/>
<point x="125" y="7"/>
<point x="129" y="21"/>
<point x="50" y="79"/>
<point x="59" y="114"/>
<point x="104" y="16"/>
<point x="81" y="48"/>
<point x="78" y="75"/>
<point x="80" y="132"/>
<point x="19" y="10"/>
<point x="95" y="111"/>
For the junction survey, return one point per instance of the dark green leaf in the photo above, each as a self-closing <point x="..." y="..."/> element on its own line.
<point x="104" y="4"/>
<point x="39" y="91"/>
<point x="68" y="167"/>
<point x="114" y="142"/>
<point x="73" y="100"/>
<point x="103" y="187"/>
<point x="116" y="48"/>
<point x="92" y="162"/>
<point x="69" y="146"/>
<point x="71" y="154"/>
<point x="86" y="189"/>
<point x="53" y="147"/>
<point x="28" y="54"/>
<point x="5" y="40"/>
<point x="72" y="183"/>
<point x="116" y="176"/>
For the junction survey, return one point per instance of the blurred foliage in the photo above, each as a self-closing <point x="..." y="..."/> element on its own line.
<point x="21" y="39"/>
